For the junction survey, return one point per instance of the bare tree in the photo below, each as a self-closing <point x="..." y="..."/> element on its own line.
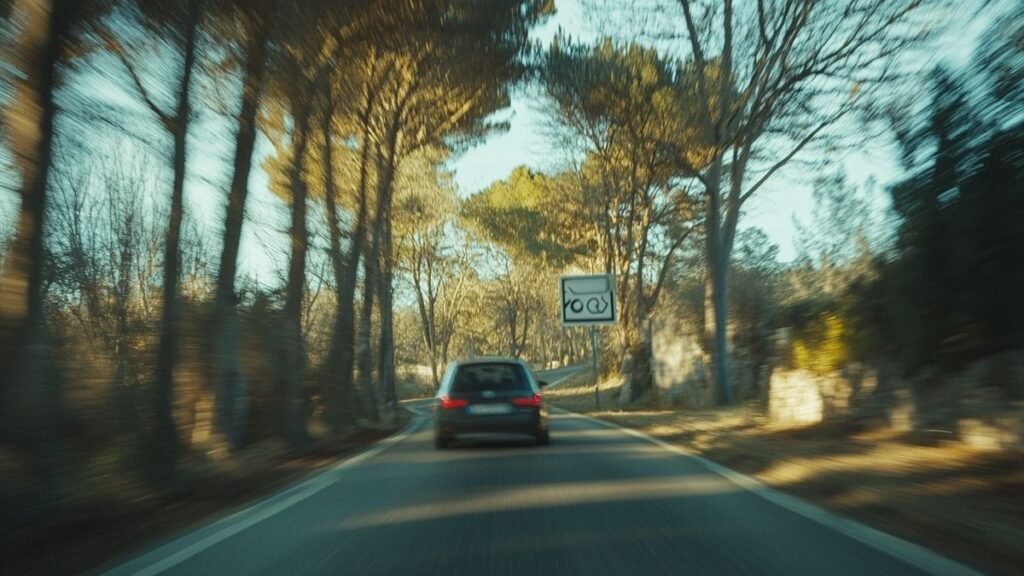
<point x="105" y="247"/>
<point x="513" y="300"/>
<point x="178" y="22"/>
<point x="437" y="267"/>
<point x="439" y="281"/>
<point x="774" y="77"/>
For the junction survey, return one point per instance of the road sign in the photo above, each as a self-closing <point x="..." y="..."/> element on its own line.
<point x="589" y="300"/>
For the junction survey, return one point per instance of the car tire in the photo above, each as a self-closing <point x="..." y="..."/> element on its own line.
<point x="441" y="442"/>
<point x="544" y="438"/>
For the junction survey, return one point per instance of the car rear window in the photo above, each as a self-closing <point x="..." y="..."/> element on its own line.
<point x="497" y="376"/>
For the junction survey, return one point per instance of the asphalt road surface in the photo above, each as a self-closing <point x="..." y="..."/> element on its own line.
<point x="559" y="374"/>
<point x="596" y="501"/>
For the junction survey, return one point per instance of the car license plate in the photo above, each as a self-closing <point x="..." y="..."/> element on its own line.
<point x="481" y="409"/>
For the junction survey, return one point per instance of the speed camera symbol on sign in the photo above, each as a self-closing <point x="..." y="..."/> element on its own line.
<point x="588" y="300"/>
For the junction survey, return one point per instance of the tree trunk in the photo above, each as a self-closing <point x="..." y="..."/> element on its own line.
<point x="124" y="375"/>
<point x="435" y="377"/>
<point x="295" y="380"/>
<point x="510" y="317"/>
<point x="428" y="317"/>
<point x="373" y="276"/>
<point x="372" y="285"/>
<point x="386" y="359"/>
<point x="344" y="339"/>
<point x="364" y="362"/>
<point x="336" y="388"/>
<point x="445" y="346"/>
<point x="717" y="262"/>
<point x="426" y="305"/>
<point x="29" y="123"/>
<point x="229" y="385"/>
<point x="432" y="337"/>
<point x="165" y="436"/>
<point x="29" y="388"/>
<point x="521" y="346"/>
<point x="344" y="321"/>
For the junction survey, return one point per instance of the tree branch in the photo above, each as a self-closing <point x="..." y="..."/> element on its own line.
<point x="118" y="50"/>
<point x="785" y="159"/>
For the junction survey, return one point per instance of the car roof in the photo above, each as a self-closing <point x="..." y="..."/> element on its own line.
<point x="489" y="360"/>
<point x="456" y="364"/>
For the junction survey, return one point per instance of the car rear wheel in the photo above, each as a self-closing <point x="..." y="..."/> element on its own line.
<point x="544" y="438"/>
<point x="441" y="442"/>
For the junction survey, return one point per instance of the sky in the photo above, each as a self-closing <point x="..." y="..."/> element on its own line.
<point x="788" y="194"/>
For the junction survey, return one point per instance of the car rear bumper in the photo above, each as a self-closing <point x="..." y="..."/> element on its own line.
<point x="452" y="422"/>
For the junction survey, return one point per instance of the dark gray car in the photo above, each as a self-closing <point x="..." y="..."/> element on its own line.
<point x="494" y="395"/>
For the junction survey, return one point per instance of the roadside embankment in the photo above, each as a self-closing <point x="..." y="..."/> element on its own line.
<point x="951" y="497"/>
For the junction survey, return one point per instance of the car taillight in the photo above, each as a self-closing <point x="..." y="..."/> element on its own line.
<point x="449" y="403"/>
<point x="531" y="401"/>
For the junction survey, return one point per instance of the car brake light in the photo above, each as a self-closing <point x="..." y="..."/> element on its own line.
<point x="531" y="401"/>
<point x="450" y="403"/>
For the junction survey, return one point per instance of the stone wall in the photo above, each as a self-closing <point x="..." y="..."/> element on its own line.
<point x="981" y="405"/>
<point x="794" y="397"/>
<point x="681" y="368"/>
<point x="678" y="363"/>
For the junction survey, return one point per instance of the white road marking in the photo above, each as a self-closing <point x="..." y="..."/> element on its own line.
<point x="191" y="544"/>
<point x="910" y="553"/>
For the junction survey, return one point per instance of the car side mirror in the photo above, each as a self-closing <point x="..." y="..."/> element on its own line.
<point x="543" y="383"/>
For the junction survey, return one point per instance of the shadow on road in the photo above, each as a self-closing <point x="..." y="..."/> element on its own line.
<point x="595" y="501"/>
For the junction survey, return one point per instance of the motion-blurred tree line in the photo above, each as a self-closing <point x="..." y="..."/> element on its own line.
<point x="131" y="340"/>
<point x="928" y="284"/>
<point x="939" y="288"/>
<point x="671" y="132"/>
<point x="953" y="280"/>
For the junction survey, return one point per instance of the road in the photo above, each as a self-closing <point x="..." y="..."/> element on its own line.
<point x="557" y="375"/>
<point x="596" y="501"/>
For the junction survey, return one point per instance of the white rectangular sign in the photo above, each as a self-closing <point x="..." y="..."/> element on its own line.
<point x="588" y="300"/>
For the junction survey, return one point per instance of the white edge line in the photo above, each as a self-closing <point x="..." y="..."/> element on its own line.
<point x="908" y="552"/>
<point x="182" y="548"/>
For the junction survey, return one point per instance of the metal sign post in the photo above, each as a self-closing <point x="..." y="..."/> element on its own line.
<point x="597" y="366"/>
<point x="590" y="301"/>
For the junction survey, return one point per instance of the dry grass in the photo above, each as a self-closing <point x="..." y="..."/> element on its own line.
<point x="576" y="393"/>
<point x="961" y="501"/>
